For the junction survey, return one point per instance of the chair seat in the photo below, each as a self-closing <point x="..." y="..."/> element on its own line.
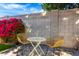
<point x="22" y="38"/>
<point x="56" y="43"/>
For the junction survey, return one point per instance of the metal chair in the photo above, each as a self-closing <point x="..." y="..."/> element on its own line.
<point x="22" y="38"/>
<point x="56" y="43"/>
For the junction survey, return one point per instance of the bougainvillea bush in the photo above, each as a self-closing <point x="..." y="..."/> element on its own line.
<point x="10" y="28"/>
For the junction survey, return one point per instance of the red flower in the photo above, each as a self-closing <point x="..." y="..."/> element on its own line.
<point x="10" y="27"/>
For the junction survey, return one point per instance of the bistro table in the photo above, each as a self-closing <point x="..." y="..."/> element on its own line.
<point x="38" y="41"/>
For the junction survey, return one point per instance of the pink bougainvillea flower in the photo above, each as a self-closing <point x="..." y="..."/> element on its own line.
<point x="10" y="27"/>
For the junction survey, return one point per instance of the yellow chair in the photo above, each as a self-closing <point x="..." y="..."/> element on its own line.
<point x="22" y="38"/>
<point x="56" y="42"/>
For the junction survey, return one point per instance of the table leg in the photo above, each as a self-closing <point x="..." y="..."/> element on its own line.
<point x="41" y="50"/>
<point x="34" y="48"/>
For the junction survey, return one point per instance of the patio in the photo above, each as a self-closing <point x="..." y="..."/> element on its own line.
<point x="49" y="26"/>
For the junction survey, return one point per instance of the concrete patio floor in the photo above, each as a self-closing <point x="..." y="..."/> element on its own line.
<point x="24" y="50"/>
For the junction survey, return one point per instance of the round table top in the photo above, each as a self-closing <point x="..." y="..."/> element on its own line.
<point x="36" y="39"/>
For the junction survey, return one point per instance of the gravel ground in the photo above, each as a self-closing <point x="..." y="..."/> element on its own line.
<point x="24" y="50"/>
